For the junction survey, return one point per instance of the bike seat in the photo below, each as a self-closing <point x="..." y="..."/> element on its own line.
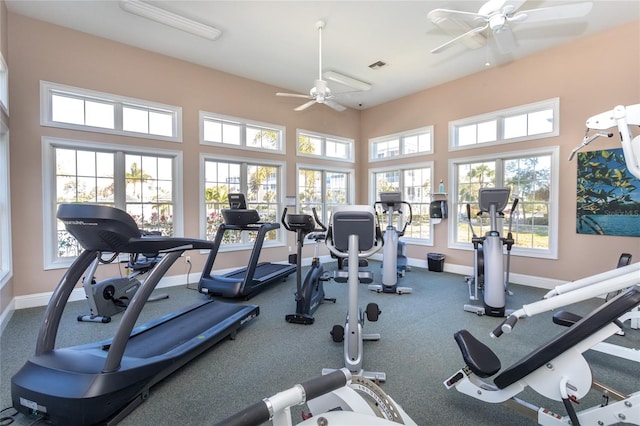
<point x="480" y="359"/>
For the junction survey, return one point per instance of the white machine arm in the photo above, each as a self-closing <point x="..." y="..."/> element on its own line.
<point x="584" y="289"/>
<point x="622" y="117"/>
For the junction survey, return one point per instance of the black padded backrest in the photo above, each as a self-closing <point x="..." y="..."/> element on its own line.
<point x="353" y="222"/>
<point x="98" y="228"/>
<point x="588" y="325"/>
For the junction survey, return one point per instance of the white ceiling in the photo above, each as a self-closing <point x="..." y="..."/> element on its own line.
<point x="276" y="42"/>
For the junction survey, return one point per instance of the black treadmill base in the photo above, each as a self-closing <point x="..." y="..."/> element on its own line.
<point x="67" y="386"/>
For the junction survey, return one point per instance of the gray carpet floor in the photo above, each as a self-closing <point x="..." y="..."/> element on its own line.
<point x="417" y="351"/>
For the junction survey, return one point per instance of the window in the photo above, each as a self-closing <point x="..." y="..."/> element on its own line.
<point x="261" y="182"/>
<point x="323" y="189"/>
<point x="536" y="120"/>
<point x="415" y="185"/>
<point x="405" y="144"/>
<point x="311" y="144"/>
<point x="4" y="85"/>
<point x="142" y="182"/>
<point x="80" y="109"/>
<point x="5" y="208"/>
<point x="239" y="133"/>
<point x="532" y="177"/>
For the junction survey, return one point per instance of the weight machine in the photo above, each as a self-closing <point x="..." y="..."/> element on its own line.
<point x="336" y="399"/>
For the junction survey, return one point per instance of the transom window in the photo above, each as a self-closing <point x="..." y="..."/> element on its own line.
<point x="323" y="189"/>
<point x="140" y="182"/>
<point x="405" y="144"/>
<point x="81" y="109"/>
<point x="531" y="121"/>
<point x="260" y="182"/>
<point x="532" y="177"/>
<point x="314" y="144"/>
<point x="235" y="132"/>
<point x="415" y="185"/>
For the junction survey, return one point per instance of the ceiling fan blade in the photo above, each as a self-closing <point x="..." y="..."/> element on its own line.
<point x="305" y="105"/>
<point x="505" y="40"/>
<point x="565" y="11"/>
<point x="293" y="95"/>
<point x="346" y="80"/>
<point x="334" y="105"/>
<point x="468" y="34"/>
<point x="437" y="16"/>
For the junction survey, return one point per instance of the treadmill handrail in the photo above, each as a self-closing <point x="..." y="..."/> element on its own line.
<point x="131" y="314"/>
<point x="46" y="341"/>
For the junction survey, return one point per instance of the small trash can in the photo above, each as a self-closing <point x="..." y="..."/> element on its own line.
<point x="435" y="262"/>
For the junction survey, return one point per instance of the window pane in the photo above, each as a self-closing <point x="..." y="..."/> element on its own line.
<point x="231" y="133"/>
<point x="309" y="189"/>
<point x="135" y="120"/>
<point x="99" y="114"/>
<point x="417" y="192"/>
<point x="67" y="110"/>
<point x="337" y="149"/>
<point x="488" y="131"/>
<point x="160" y="123"/>
<point x="212" y="131"/>
<point x="515" y="126"/>
<point x="541" y="122"/>
<point x="467" y="135"/>
<point x="410" y="145"/>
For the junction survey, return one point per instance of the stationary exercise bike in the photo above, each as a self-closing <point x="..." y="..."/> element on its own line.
<point x="354" y="234"/>
<point x="310" y="292"/>
<point x="112" y="296"/>
<point x="488" y="268"/>
<point x="394" y="259"/>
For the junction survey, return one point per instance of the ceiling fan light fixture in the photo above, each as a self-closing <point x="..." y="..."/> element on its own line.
<point x="171" y="19"/>
<point x="346" y="80"/>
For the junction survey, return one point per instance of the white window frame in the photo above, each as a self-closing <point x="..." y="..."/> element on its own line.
<point x="280" y="240"/>
<point x="48" y="89"/>
<point x="324" y="138"/>
<point x="554" y="152"/>
<point x="4" y="85"/>
<point x="49" y="144"/>
<point x="6" y="262"/>
<point x="350" y="190"/>
<point x="499" y="117"/>
<point x="401" y="136"/>
<point x="243" y="124"/>
<point x="402" y="169"/>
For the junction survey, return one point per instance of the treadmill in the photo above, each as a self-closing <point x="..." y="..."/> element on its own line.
<point x="244" y="282"/>
<point x="102" y="382"/>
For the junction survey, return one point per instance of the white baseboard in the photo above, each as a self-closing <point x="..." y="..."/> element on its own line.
<point x="42" y="299"/>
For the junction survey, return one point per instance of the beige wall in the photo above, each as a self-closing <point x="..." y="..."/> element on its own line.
<point x="589" y="76"/>
<point x="40" y="51"/>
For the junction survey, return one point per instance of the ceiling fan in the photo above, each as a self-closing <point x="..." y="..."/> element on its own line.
<point x="497" y="16"/>
<point x="320" y="92"/>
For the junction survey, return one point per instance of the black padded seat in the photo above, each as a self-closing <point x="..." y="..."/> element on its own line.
<point x="480" y="359"/>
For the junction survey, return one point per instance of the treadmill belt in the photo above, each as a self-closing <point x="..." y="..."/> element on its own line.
<point x="262" y="270"/>
<point x="169" y="335"/>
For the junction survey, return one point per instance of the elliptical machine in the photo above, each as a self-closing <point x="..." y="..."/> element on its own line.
<point x="394" y="259"/>
<point x="310" y="293"/>
<point x="488" y="267"/>
<point x="112" y="295"/>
